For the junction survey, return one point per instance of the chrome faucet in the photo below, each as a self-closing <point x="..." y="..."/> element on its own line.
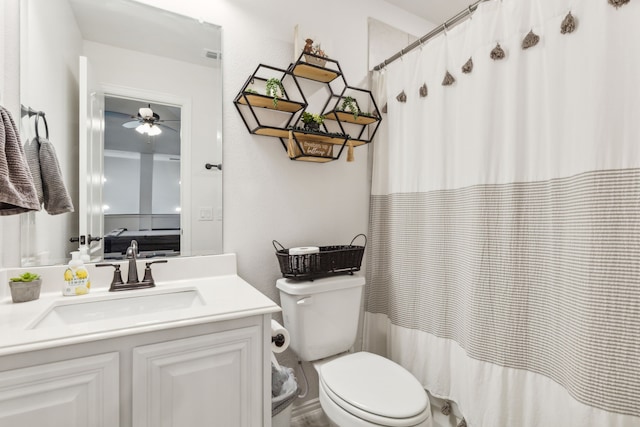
<point x="132" y="256"/>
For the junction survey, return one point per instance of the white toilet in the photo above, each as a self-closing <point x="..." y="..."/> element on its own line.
<point x="356" y="389"/>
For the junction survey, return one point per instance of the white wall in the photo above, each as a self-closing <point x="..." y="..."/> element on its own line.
<point x="165" y="191"/>
<point x="121" y="189"/>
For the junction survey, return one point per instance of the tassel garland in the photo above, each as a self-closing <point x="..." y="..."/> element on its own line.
<point x="448" y="79"/>
<point x="290" y="146"/>
<point x="618" y="3"/>
<point x="468" y="66"/>
<point x="568" y="24"/>
<point x="462" y="423"/>
<point x="424" y="91"/>
<point x="350" y="157"/>
<point x="402" y="97"/>
<point x="446" y="408"/>
<point x="530" y="40"/>
<point x="384" y="108"/>
<point x="497" y="52"/>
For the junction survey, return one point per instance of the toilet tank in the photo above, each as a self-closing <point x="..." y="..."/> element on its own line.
<point x="321" y="315"/>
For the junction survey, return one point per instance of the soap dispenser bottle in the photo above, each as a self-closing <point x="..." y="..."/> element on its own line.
<point x="84" y="254"/>
<point x="76" y="277"/>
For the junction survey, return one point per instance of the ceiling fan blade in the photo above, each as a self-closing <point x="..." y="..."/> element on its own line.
<point x="132" y="124"/>
<point x="163" y="126"/>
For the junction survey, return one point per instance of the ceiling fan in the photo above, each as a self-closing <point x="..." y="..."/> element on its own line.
<point x="146" y="122"/>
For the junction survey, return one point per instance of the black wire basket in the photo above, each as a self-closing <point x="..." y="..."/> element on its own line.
<point x="330" y="260"/>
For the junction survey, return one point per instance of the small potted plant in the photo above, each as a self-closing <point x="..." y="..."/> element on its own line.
<point x="349" y="103"/>
<point x="312" y="121"/>
<point x="275" y="89"/>
<point x="25" y="287"/>
<point x="313" y="54"/>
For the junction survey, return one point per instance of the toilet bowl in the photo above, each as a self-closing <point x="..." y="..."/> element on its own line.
<point x="356" y="389"/>
<point x="365" y="390"/>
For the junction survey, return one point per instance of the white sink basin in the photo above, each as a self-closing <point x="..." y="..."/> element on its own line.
<point x="75" y="312"/>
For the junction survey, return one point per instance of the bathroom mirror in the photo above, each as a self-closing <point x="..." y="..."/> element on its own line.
<point x="79" y="59"/>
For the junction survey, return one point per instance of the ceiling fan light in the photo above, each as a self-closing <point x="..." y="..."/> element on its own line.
<point x="154" y="130"/>
<point x="142" y="129"/>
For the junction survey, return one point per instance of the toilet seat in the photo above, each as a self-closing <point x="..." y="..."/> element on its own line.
<point x="375" y="390"/>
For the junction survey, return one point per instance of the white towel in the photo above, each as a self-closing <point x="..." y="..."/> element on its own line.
<point x="17" y="191"/>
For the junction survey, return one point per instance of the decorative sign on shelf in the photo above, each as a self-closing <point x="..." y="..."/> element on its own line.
<point x="313" y="148"/>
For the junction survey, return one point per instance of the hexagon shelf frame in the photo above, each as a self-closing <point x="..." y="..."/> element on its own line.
<point x="340" y="127"/>
<point x="355" y="113"/>
<point x="263" y="114"/>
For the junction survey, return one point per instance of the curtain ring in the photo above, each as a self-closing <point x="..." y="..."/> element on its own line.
<point x="445" y="27"/>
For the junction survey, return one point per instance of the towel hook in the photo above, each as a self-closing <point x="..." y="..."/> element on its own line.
<point x="27" y="111"/>
<point x="46" y="126"/>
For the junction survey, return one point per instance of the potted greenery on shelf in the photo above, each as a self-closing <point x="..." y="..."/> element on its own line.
<point x="349" y="103"/>
<point x="275" y="89"/>
<point x="25" y="287"/>
<point x="312" y="121"/>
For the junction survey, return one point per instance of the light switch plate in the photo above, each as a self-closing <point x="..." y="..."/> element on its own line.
<point x="206" y="214"/>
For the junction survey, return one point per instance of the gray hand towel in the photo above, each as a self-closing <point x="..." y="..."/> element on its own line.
<point x="55" y="195"/>
<point x="17" y="191"/>
<point x="32" y="153"/>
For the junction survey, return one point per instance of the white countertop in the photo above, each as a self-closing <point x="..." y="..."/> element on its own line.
<point x="222" y="297"/>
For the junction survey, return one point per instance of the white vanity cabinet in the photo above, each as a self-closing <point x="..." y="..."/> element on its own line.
<point x="77" y="392"/>
<point x="193" y="351"/>
<point x="207" y="380"/>
<point x="212" y="374"/>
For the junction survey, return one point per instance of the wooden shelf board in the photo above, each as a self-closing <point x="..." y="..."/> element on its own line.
<point x="314" y="159"/>
<point x="358" y="142"/>
<point x="264" y="101"/>
<point x="270" y="131"/>
<point x="348" y="118"/>
<point x="315" y="73"/>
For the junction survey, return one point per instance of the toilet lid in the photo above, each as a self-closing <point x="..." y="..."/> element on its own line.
<point x="375" y="385"/>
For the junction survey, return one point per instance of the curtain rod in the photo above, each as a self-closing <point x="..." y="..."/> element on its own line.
<point x="431" y="34"/>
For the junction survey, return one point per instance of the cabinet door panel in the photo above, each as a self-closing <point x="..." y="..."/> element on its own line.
<point x="208" y="380"/>
<point x="75" y="393"/>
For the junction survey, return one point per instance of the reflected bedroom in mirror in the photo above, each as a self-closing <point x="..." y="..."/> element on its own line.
<point x="133" y="101"/>
<point x="141" y="178"/>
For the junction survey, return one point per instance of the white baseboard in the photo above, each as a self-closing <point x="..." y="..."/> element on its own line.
<point x="308" y="413"/>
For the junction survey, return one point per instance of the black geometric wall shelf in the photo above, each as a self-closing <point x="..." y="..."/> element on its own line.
<point x="313" y="85"/>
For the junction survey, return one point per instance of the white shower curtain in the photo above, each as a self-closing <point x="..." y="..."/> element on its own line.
<point x="504" y="254"/>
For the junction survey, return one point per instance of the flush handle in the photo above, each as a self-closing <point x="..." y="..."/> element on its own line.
<point x="305" y="301"/>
